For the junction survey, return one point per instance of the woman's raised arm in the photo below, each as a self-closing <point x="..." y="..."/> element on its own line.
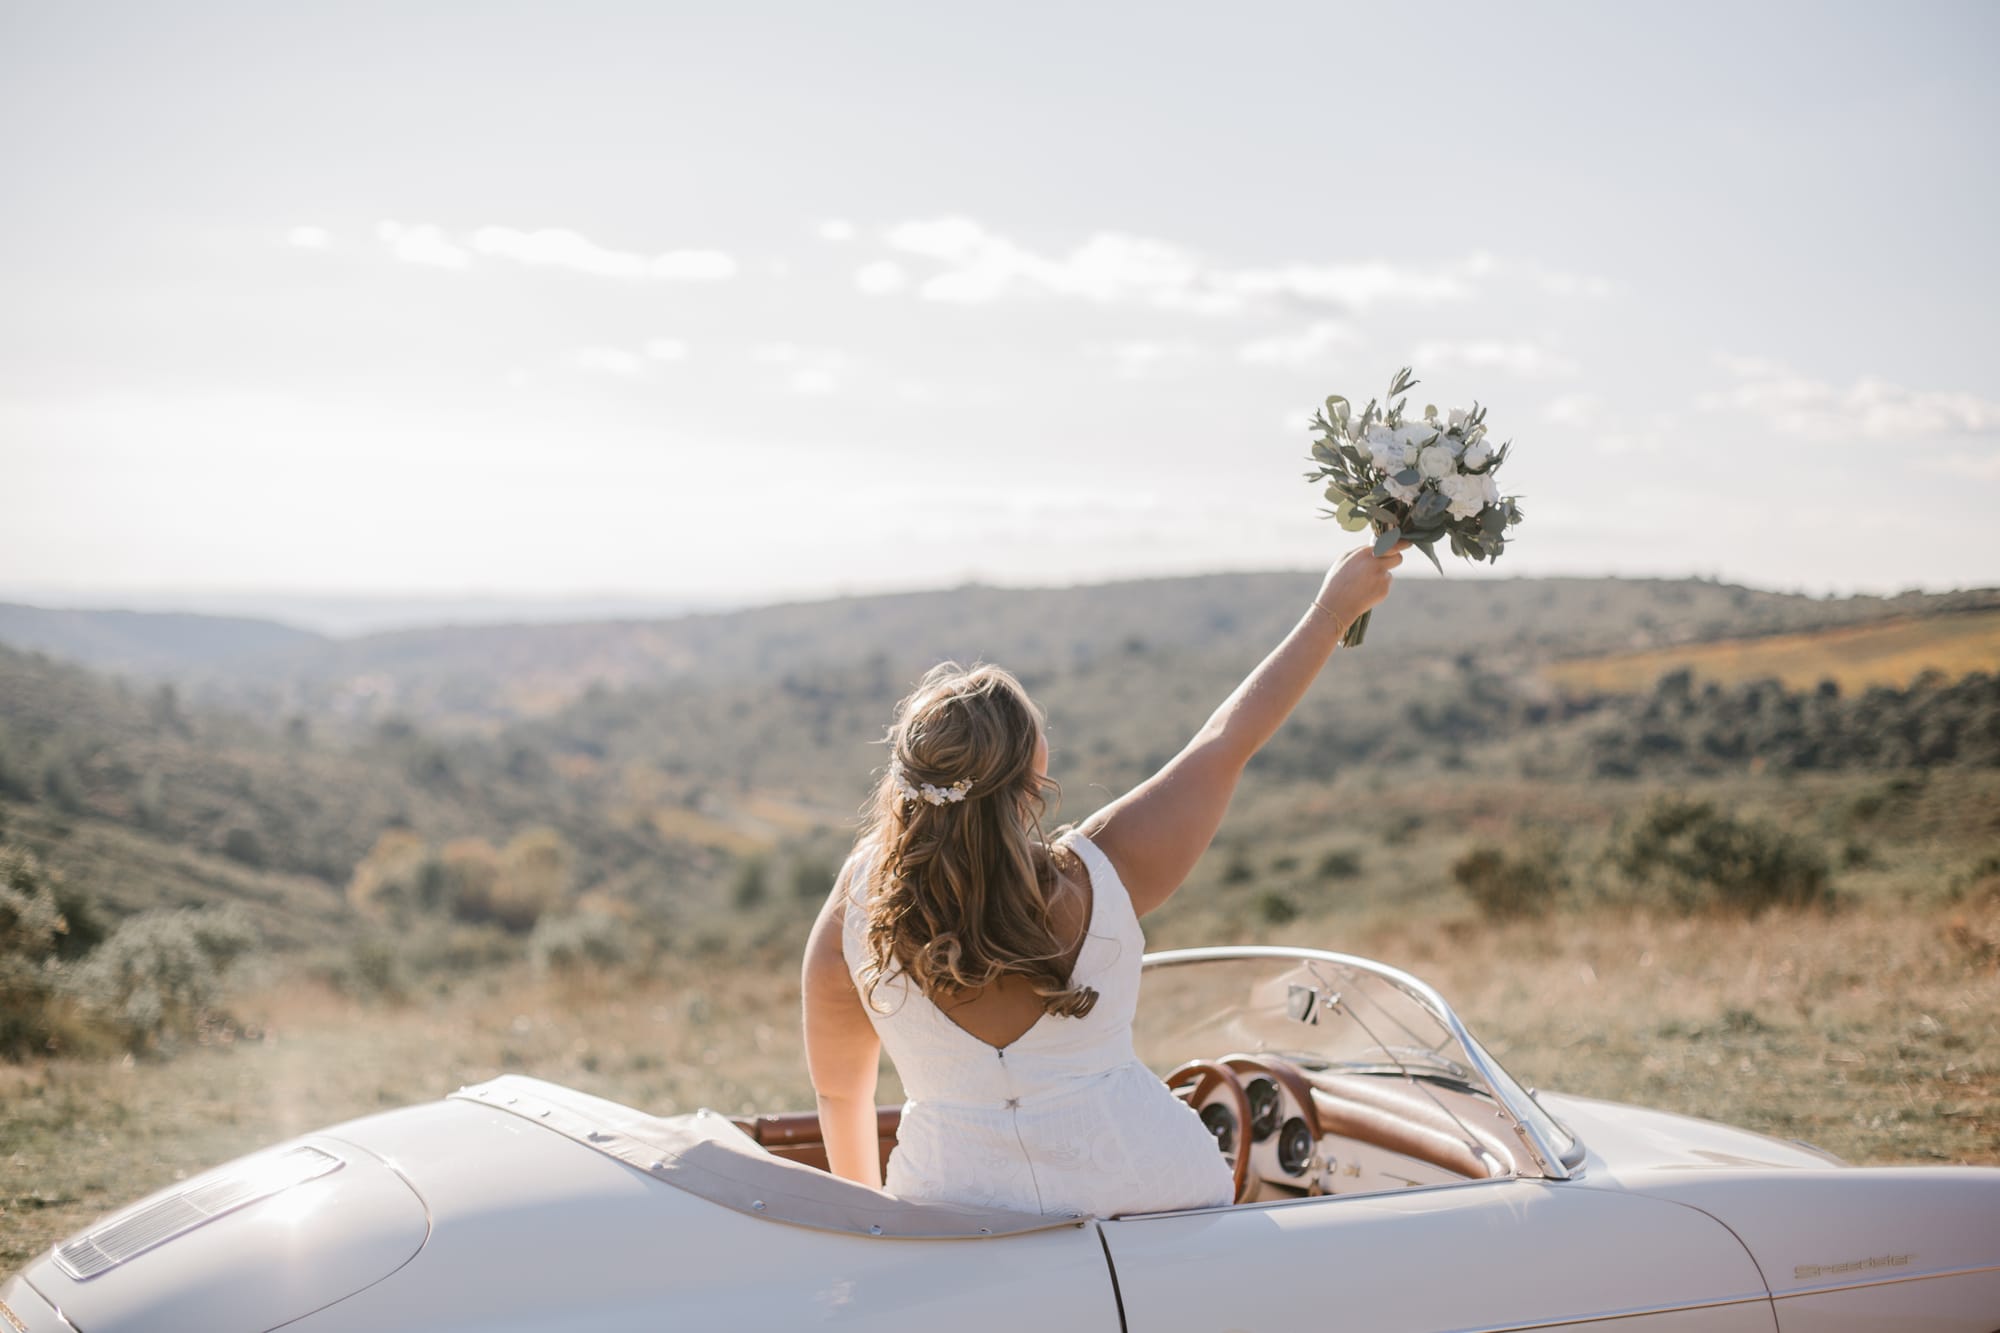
<point x="842" y="1050"/>
<point x="1156" y="832"/>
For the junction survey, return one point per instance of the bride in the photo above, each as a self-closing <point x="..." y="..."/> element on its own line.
<point x="1002" y="970"/>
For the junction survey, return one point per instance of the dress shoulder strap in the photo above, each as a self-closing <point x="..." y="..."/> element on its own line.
<point x="1105" y="885"/>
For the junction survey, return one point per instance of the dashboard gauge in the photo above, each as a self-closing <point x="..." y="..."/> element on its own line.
<point x="1264" y="1106"/>
<point x="1295" y="1147"/>
<point x="1221" y="1122"/>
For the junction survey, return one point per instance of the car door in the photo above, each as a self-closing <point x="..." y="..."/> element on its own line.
<point x="1489" y="1255"/>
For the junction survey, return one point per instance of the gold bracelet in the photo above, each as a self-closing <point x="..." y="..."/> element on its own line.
<point x="1328" y="614"/>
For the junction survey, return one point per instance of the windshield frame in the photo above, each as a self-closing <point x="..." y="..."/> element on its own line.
<point x="1529" y="1119"/>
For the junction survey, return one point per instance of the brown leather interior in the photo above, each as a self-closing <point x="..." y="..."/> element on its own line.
<point x="795" y="1135"/>
<point x="1388" y="1113"/>
<point x="1393" y="1115"/>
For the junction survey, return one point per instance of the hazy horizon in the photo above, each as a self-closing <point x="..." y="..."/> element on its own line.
<point x="350" y="615"/>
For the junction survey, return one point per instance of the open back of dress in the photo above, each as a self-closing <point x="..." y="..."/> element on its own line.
<point x="1063" y="1120"/>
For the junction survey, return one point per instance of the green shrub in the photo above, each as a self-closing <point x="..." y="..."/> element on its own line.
<point x="1505" y="886"/>
<point x="751" y="885"/>
<point x="1340" y="863"/>
<point x="812" y="880"/>
<point x="1277" y="909"/>
<point x="580" y="943"/>
<point x="370" y="968"/>
<point x="1694" y="857"/>
<point x="1237" y="869"/>
<point x="160" y="974"/>
<point x="243" y="846"/>
<point x="32" y="929"/>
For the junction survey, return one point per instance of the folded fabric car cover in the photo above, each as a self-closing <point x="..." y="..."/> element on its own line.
<point x="707" y="1155"/>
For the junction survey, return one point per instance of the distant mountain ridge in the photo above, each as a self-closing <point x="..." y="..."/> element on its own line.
<point x="483" y="674"/>
<point x="146" y="643"/>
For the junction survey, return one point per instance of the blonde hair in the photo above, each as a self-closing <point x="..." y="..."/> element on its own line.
<point x="958" y="891"/>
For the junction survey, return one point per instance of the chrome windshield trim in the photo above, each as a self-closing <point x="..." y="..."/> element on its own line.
<point x="1549" y="1161"/>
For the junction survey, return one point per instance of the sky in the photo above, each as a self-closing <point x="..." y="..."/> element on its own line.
<point x="584" y="303"/>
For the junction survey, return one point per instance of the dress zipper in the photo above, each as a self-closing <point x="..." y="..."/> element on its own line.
<point x="1013" y="1105"/>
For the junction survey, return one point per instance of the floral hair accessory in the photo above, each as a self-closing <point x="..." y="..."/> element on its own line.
<point x="926" y="792"/>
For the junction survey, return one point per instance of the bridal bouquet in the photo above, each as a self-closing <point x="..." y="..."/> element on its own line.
<point x="1414" y="481"/>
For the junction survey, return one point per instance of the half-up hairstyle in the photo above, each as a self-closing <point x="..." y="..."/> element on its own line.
<point x="958" y="890"/>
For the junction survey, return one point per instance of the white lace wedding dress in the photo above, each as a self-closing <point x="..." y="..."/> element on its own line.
<point x="1062" y="1120"/>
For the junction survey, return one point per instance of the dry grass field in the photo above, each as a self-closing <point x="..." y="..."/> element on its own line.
<point x="1871" y="1029"/>
<point x="1887" y="652"/>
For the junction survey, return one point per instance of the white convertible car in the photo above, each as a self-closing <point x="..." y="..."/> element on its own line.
<point x="1391" y="1176"/>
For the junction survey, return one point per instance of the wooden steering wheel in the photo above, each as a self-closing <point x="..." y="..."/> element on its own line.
<point x="1195" y="1080"/>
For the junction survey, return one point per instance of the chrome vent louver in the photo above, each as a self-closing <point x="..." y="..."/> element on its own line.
<point x="107" y="1246"/>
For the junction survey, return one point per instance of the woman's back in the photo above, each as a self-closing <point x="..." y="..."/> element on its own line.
<point x="959" y="902"/>
<point x="1061" y="1119"/>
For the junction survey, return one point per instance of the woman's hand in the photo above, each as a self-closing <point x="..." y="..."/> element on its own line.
<point x="1358" y="581"/>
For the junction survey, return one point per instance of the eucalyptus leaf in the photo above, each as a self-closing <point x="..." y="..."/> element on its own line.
<point x="1387" y="541"/>
<point x="1426" y="548"/>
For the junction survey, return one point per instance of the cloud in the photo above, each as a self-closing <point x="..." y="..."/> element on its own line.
<point x="1871" y="407"/>
<point x="421" y="243"/>
<point x="881" y="278"/>
<point x="976" y="265"/>
<point x="1528" y="359"/>
<point x="1136" y="360"/>
<point x="1571" y="409"/>
<point x="1556" y="282"/>
<point x="1303" y="348"/>
<point x="555" y="247"/>
<point x="1967" y="465"/>
<point x="627" y="363"/>
<point x="309" y="238"/>
<point x="982" y="266"/>
<point x="609" y="361"/>
<point x="1349" y="286"/>
<point x="808" y="370"/>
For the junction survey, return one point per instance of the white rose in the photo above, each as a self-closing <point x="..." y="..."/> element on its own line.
<point x="1384" y="447"/>
<point x="1397" y="490"/>
<point x="1457" y="417"/>
<point x="1476" y="454"/>
<point x="1413" y="433"/>
<point x="1466" y="496"/>
<point x="1435" y="462"/>
<point x="1489" y="488"/>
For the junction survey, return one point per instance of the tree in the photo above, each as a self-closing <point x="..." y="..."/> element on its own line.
<point x="387" y="881"/>
<point x="535" y="872"/>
